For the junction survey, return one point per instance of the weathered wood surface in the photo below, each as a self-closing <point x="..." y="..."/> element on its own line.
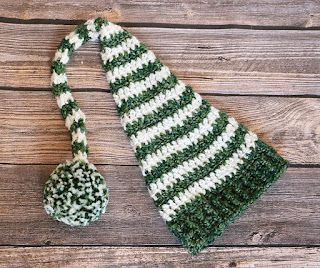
<point x="292" y="13"/>
<point x="286" y="215"/>
<point x="33" y="131"/>
<point x="257" y="60"/>
<point x="225" y="61"/>
<point x="295" y="257"/>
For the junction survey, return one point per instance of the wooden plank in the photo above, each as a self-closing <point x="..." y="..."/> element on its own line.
<point x="33" y="131"/>
<point x="286" y="215"/>
<point x="276" y="257"/>
<point x="292" y="13"/>
<point x="227" y="61"/>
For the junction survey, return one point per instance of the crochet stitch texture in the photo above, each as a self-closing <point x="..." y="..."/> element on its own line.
<point x="76" y="193"/>
<point x="201" y="167"/>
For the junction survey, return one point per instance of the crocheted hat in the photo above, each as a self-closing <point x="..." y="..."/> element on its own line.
<point x="201" y="167"/>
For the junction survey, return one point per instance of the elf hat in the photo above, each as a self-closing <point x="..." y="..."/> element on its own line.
<point x="201" y="167"/>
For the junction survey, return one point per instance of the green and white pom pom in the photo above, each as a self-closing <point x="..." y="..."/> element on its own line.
<point x="76" y="193"/>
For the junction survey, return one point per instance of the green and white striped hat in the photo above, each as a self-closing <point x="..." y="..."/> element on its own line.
<point x="201" y="167"/>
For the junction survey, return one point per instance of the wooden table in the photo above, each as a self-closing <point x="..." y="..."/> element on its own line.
<point x="257" y="60"/>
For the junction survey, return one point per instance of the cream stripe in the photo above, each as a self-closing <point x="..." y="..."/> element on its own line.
<point x="93" y="34"/>
<point x="177" y="174"/>
<point x="62" y="56"/>
<point x="200" y="187"/>
<point x="138" y="87"/>
<point x="64" y="98"/>
<point x="130" y="67"/>
<point x="153" y="105"/>
<point x="79" y="136"/>
<point x="80" y="156"/>
<point x="192" y="138"/>
<point x="73" y="38"/>
<point x="107" y="31"/>
<point x="74" y="117"/>
<point x="110" y="53"/>
<point x="146" y="135"/>
<point x="58" y="78"/>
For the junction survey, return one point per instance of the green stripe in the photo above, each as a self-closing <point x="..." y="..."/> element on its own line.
<point x="79" y="146"/>
<point x="125" y="58"/>
<point x="65" y="44"/>
<point x="58" y="67"/>
<point x="167" y="110"/>
<point x="83" y="32"/>
<point x="147" y="95"/>
<point x="60" y="89"/>
<point x="189" y="152"/>
<point x="68" y="107"/>
<point x="99" y="22"/>
<point x="200" y="222"/>
<point x="115" y="40"/>
<point x="204" y="171"/>
<point x="139" y="75"/>
<point x="187" y="126"/>
<point x="80" y="124"/>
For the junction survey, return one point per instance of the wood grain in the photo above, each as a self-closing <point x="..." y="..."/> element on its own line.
<point x="292" y="13"/>
<point x="159" y="257"/>
<point x="286" y="215"/>
<point x="33" y="131"/>
<point x="263" y="60"/>
<point x="226" y="61"/>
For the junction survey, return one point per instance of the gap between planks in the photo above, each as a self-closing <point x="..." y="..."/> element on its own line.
<point x="159" y="257"/>
<point x="163" y="25"/>
<point x="285" y="215"/>
<point x="91" y="90"/>
<point x="272" y="13"/>
<point x="229" y="61"/>
<point x="35" y="134"/>
<point x="48" y="245"/>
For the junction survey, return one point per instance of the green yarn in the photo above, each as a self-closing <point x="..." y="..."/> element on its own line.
<point x="167" y="110"/>
<point x="188" y="125"/>
<point x="58" y="67"/>
<point x="68" y="107"/>
<point x="199" y="223"/>
<point x="83" y="33"/>
<point x="142" y="73"/>
<point x="60" y="89"/>
<point x="125" y="58"/>
<point x="189" y="152"/>
<point x="146" y="96"/>
<point x="201" y="167"/>
<point x="78" y="125"/>
<point x="205" y="170"/>
<point x="66" y="45"/>
<point x="116" y="40"/>
<point x="75" y="194"/>
<point x="79" y="146"/>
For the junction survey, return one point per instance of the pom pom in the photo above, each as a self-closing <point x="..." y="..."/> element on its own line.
<point x="76" y="193"/>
